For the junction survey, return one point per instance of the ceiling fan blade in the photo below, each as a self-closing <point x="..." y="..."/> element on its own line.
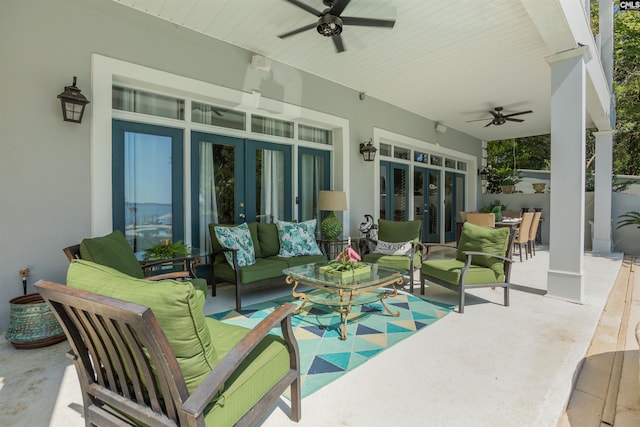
<point x="337" y="40"/>
<point x="368" y="22"/>
<point x="517" y="114"/>
<point x="298" y="30"/>
<point x="513" y="120"/>
<point x="305" y="7"/>
<point x="489" y="124"/>
<point x="479" y="120"/>
<point x="339" y="6"/>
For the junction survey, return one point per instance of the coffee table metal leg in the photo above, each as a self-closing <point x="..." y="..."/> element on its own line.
<point x="387" y="295"/>
<point x="300" y="295"/>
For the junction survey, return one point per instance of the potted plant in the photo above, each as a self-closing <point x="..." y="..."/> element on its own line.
<point x="32" y="324"/>
<point x="508" y="184"/>
<point x="166" y="250"/>
<point x="346" y="266"/>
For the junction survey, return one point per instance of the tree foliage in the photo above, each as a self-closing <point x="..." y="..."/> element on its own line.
<point x="535" y="152"/>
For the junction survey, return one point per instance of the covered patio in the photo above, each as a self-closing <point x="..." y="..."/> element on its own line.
<point x="421" y="87"/>
<point x="509" y="366"/>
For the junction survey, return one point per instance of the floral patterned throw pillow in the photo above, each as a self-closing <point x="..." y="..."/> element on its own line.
<point x="237" y="238"/>
<point x="297" y="239"/>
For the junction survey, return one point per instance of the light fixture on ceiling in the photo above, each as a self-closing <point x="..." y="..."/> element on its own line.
<point x="73" y="103"/>
<point x="330" y="25"/>
<point x="368" y="151"/>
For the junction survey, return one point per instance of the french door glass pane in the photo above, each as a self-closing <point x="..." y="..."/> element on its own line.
<point x="383" y="190"/>
<point x="434" y="212"/>
<point x="217" y="183"/>
<point x="448" y="203"/>
<point x="312" y="180"/>
<point x="400" y="190"/>
<point x="147" y="189"/>
<point x="270" y="185"/>
<point x="418" y="194"/>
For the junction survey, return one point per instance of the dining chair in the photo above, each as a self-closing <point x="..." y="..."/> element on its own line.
<point x="522" y="236"/>
<point x="533" y="231"/>
<point x="480" y="218"/>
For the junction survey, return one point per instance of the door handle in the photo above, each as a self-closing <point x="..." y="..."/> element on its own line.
<point x="242" y="216"/>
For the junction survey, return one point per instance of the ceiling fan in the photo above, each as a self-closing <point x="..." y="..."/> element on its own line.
<point x="500" y="119"/>
<point x="330" y="21"/>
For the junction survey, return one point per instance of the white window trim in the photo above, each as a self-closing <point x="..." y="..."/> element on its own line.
<point x="395" y="139"/>
<point x="105" y="71"/>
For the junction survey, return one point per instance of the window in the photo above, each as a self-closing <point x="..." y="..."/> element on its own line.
<point x="217" y="116"/>
<point x="401" y="153"/>
<point x="313" y="134"/>
<point x="138" y="101"/>
<point x="385" y="150"/>
<point x="449" y="163"/>
<point x="436" y="160"/>
<point x="420" y="157"/>
<point x="269" y="126"/>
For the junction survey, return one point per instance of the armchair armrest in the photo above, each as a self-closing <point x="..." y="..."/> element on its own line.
<point x="428" y="246"/>
<point x="470" y="254"/>
<point x="201" y="397"/>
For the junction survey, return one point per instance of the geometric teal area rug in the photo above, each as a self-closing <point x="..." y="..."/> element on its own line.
<point x="370" y="330"/>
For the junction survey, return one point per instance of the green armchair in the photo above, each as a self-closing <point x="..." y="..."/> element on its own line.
<point x="398" y="246"/>
<point x="146" y="354"/>
<point x="483" y="259"/>
<point x="114" y="251"/>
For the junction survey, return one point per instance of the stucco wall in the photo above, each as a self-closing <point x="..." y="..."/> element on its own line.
<point x="45" y="163"/>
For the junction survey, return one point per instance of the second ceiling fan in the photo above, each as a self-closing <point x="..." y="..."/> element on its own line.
<point x="330" y="21"/>
<point x="499" y="118"/>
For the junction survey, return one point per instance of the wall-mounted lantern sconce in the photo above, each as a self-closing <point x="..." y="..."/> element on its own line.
<point x="368" y="151"/>
<point x="73" y="103"/>
<point x="483" y="173"/>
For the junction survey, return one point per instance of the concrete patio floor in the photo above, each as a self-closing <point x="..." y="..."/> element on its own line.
<point x="492" y="366"/>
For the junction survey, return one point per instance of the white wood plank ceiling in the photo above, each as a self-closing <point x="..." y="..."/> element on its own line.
<point x="449" y="61"/>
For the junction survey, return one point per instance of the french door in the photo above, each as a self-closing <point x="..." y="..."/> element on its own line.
<point x="235" y="180"/>
<point x="147" y="182"/>
<point x="394" y="191"/>
<point x="426" y="202"/>
<point x="454" y="190"/>
<point x="314" y="175"/>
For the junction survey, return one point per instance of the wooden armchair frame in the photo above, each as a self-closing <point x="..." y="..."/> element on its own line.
<point x="129" y="374"/>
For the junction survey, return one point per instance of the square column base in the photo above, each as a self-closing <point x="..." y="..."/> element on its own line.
<point x="565" y="286"/>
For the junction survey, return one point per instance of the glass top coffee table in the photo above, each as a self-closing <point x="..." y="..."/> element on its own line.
<point x="341" y="292"/>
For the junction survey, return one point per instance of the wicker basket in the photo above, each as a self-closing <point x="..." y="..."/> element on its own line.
<point x="32" y="324"/>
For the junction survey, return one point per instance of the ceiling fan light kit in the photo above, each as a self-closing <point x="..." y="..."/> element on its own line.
<point x="499" y="118"/>
<point x="330" y="22"/>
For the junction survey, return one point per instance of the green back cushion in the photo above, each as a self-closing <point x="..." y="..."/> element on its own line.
<point x="399" y="231"/>
<point x="268" y="238"/>
<point x="177" y="306"/>
<point x="112" y="250"/>
<point x="478" y="238"/>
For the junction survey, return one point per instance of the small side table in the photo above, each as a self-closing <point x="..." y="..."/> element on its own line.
<point x="187" y="263"/>
<point x="331" y="248"/>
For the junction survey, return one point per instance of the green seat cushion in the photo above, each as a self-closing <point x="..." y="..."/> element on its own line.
<point x="268" y="238"/>
<point x="260" y="371"/>
<point x="394" y="261"/>
<point x="112" y="250"/>
<point x="399" y="231"/>
<point x="177" y="306"/>
<point x="449" y="270"/>
<point x="484" y="239"/>
<point x="262" y="269"/>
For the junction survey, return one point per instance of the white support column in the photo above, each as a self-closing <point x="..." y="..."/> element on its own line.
<point x="565" y="278"/>
<point x="602" y="193"/>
